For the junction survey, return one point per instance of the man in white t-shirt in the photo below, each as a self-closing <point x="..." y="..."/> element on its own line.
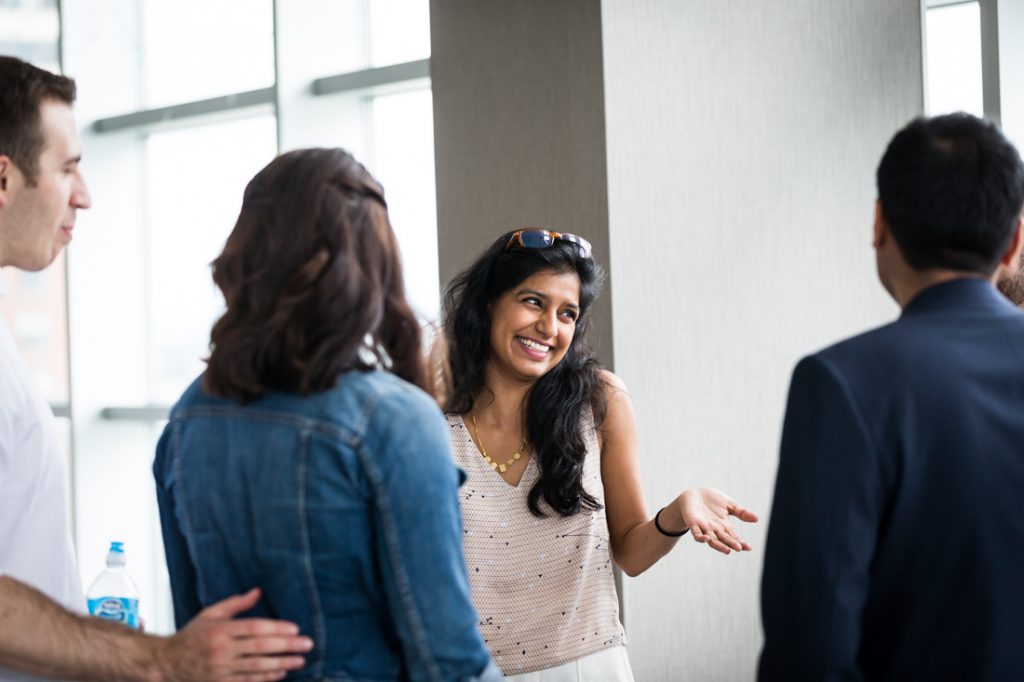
<point x="41" y="631"/>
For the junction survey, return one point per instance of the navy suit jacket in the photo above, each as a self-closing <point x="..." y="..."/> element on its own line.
<point x="896" y="544"/>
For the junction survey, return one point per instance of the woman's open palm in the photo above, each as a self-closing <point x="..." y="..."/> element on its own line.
<point x="706" y="512"/>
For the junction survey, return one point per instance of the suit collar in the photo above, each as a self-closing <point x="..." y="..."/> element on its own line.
<point x="967" y="294"/>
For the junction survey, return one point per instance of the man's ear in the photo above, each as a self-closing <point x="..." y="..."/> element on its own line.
<point x="5" y="177"/>
<point x="1011" y="257"/>
<point x="881" y="229"/>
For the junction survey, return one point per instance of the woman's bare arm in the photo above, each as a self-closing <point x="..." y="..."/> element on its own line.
<point x="635" y="540"/>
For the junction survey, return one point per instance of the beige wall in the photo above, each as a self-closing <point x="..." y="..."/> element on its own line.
<point x="742" y="142"/>
<point x="1002" y="22"/>
<point x="518" y="126"/>
<point x="721" y="156"/>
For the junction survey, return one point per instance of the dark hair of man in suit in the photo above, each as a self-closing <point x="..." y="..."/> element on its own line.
<point x="951" y="189"/>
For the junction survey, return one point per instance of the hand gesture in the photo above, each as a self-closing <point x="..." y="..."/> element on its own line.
<point x="215" y="647"/>
<point x="706" y="512"/>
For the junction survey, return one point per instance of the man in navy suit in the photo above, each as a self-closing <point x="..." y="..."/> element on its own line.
<point x="896" y="543"/>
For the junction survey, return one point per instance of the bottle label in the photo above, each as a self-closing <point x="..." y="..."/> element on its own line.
<point x="119" y="609"/>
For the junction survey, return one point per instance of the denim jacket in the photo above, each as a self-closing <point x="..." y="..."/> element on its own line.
<point x="342" y="506"/>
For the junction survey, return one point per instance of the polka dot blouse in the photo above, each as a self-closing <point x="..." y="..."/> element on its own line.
<point x="543" y="588"/>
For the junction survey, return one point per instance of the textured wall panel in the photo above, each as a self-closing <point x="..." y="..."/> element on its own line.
<point x="742" y="139"/>
<point x="518" y="126"/>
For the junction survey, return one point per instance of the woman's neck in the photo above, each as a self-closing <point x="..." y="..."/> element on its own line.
<point x="502" y="401"/>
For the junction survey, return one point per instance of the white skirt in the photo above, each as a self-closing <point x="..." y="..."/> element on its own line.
<point x="607" y="665"/>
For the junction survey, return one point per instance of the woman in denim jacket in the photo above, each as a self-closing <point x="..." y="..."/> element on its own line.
<point x="307" y="460"/>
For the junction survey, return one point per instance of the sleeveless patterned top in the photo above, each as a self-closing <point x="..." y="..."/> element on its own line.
<point x="543" y="587"/>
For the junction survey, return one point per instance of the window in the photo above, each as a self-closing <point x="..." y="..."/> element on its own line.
<point x="30" y="29"/>
<point x="954" y="59"/>
<point x="195" y="177"/>
<point x="181" y="102"/>
<point x="196" y="49"/>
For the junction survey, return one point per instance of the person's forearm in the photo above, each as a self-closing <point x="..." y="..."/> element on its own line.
<point x="643" y="545"/>
<point x="40" y="637"/>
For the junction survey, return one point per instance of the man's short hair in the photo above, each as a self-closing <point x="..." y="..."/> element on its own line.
<point x="23" y="89"/>
<point x="951" y="189"/>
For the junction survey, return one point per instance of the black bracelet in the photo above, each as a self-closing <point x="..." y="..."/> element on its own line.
<point x="665" y="532"/>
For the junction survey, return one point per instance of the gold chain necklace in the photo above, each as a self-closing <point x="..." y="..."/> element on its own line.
<point x="487" y="458"/>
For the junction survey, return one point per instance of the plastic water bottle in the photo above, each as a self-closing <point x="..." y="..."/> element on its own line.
<point x="113" y="595"/>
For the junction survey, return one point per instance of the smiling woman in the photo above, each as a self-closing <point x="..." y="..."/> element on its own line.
<point x="533" y="324"/>
<point x="548" y="441"/>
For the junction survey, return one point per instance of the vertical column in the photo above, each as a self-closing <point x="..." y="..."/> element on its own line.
<point x="316" y="38"/>
<point x="114" y="497"/>
<point x="722" y="158"/>
<point x="742" y="144"/>
<point x="519" y="127"/>
<point x="1002" y="23"/>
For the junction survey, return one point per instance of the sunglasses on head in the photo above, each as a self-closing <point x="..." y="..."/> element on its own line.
<point x="540" y="238"/>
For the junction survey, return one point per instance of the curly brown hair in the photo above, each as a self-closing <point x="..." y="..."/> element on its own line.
<point x="558" y="401"/>
<point x="312" y="278"/>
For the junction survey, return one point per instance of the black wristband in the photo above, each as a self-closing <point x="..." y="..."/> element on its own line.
<point x="666" y="532"/>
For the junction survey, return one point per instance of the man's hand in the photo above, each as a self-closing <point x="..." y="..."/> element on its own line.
<point x="214" y="647"/>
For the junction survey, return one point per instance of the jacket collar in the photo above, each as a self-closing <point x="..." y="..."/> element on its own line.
<point x="969" y="294"/>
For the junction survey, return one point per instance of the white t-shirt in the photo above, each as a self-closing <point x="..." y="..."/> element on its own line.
<point x="35" y="539"/>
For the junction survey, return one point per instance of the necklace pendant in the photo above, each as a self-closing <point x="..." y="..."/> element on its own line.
<point x="502" y="468"/>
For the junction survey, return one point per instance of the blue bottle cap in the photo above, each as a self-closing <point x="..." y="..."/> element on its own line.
<point x="117" y="547"/>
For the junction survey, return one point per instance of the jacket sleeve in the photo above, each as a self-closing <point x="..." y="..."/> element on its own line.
<point x="419" y="542"/>
<point x="179" y="565"/>
<point x="828" y="504"/>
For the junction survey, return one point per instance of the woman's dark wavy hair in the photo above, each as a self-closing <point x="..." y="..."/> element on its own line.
<point x="312" y="278"/>
<point x="558" y="401"/>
